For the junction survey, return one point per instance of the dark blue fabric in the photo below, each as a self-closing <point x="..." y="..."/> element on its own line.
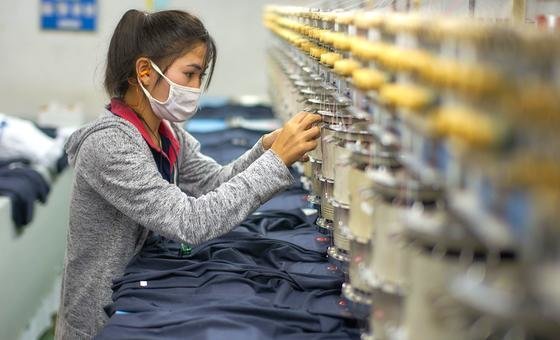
<point x="232" y="110"/>
<point x="291" y="199"/>
<point x="62" y="163"/>
<point x="223" y="320"/>
<point x="23" y="186"/>
<point x="49" y="131"/>
<point x="225" y="146"/>
<point x="22" y="200"/>
<point x="272" y="224"/>
<point x="250" y="282"/>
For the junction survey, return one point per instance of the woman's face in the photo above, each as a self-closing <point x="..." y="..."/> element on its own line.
<point x="187" y="70"/>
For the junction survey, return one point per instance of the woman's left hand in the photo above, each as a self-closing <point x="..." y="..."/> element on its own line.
<point x="269" y="138"/>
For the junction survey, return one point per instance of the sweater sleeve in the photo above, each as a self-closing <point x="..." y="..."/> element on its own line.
<point x="199" y="174"/>
<point x="116" y="166"/>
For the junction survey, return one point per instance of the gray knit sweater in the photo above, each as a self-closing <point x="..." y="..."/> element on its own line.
<point x="118" y="196"/>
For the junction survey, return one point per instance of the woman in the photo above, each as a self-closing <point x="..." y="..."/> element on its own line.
<point x="136" y="172"/>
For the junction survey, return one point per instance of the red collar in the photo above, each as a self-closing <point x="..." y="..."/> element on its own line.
<point x="122" y="110"/>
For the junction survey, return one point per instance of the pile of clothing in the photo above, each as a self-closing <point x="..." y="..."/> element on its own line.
<point x="30" y="159"/>
<point x="269" y="278"/>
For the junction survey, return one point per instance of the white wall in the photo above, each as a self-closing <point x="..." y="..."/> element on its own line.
<point x="39" y="66"/>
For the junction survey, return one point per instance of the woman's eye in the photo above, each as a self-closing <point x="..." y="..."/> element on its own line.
<point x="189" y="75"/>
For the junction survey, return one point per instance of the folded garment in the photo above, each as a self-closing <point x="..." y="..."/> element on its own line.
<point x="23" y="186"/>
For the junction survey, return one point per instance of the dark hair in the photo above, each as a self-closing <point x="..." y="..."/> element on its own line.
<point x="161" y="36"/>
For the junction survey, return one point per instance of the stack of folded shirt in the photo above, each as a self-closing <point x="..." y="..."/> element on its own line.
<point x="30" y="157"/>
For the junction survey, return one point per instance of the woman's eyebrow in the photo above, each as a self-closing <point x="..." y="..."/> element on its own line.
<point x="197" y="66"/>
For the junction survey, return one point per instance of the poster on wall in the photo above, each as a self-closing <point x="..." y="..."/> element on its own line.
<point x="156" y="5"/>
<point x="69" y="15"/>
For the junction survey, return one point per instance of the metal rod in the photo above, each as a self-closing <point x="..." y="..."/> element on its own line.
<point x="519" y="11"/>
<point x="472" y="6"/>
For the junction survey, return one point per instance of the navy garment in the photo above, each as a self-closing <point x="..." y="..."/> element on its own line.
<point x="291" y="226"/>
<point x="225" y="146"/>
<point x="233" y="110"/>
<point x="249" y="283"/>
<point x="225" y="320"/>
<point x="293" y="198"/>
<point x="62" y="163"/>
<point x="23" y="186"/>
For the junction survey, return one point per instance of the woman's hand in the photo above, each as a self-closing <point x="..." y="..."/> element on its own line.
<point x="298" y="136"/>
<point x="269" y="138"/>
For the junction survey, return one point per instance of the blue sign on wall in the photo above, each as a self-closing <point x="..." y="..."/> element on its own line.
<point x="69" y="15"/>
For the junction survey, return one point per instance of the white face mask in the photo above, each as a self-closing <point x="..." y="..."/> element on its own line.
<point x="180" y="105"/>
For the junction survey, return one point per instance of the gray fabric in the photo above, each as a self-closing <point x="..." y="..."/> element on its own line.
<point x="119" y="195"/>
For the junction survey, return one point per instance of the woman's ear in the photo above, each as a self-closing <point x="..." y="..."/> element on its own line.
<point x="144" y="71"/>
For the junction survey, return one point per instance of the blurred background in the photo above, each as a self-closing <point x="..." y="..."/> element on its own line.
<point x="51" y="65"/>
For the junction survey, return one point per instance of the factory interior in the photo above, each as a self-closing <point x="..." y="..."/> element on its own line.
<point x="341" y="169"/>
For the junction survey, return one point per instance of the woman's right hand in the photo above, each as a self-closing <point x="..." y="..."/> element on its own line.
<point x="298" y="136"/>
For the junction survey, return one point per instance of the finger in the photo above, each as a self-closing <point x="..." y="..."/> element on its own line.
<point x="311" y="145"/>
<point x="299" y="116"/>
<point x="309" y="120"/>
<point x="313" y="133"/>
<point x="304" y="158"/>
<point x="309" y="124"/>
